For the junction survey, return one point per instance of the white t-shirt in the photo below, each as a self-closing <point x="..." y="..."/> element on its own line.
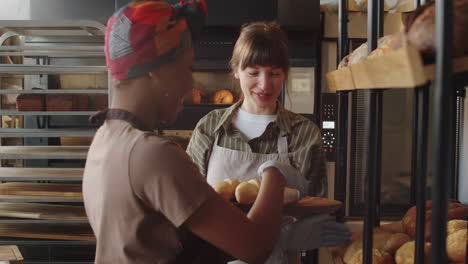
<point x="250" y="125"/>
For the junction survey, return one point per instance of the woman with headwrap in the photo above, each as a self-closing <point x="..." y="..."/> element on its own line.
<point x="144" y="197"/>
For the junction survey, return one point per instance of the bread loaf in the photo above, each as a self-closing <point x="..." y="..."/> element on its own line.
<point x="405" y="254"/>
<point x="378" y="243"/>
<point x="456" y="246"/>
<point x="59" y="102"/>
<point x="421" y="29"/>
<point x="378" y="257"/>
<point x="456" y="210"/>
<point x="30" y="102"/>
<point x="455" y="225"/>
<point x="255" y="182"/>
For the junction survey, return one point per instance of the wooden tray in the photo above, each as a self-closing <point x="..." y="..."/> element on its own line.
<point x="307" y="206"/>
<point x="42" y="211"/>
<point x="41" y="189"/>
<point x="48" y="231"/>
<point x="11" y="254"/>
<point x="402" y="68"/>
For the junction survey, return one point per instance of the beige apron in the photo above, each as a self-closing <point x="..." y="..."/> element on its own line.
<point x="228" y="163"/>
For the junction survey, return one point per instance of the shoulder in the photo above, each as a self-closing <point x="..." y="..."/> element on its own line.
<point x="298" y="121"/>
<point x="155" y="149"/>
<point x="210" y="121"/>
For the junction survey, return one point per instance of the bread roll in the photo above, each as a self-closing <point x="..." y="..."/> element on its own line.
<point x="246" y="193"/>
<point x="223" y="97"/>
<point x="233" y="181"/>
<point x="224" y="189"/>
<point x="378" y="257"/>
<point x="290" y="195"/>
<point x="455" y="225"/>
<point x="456" y="246"/>
<point x="255" y="182"/>
<point x="394" y="227"/>
<point x="405" y="254"/>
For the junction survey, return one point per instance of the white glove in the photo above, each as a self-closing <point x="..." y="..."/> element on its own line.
<point x="292" y="176"/>
<point x="314" y="232"/>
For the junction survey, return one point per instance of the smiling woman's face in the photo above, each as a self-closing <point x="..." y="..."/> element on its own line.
<point x="261" y="86"/>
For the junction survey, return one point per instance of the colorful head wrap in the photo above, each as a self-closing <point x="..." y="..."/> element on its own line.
<point x="144" y="35"/>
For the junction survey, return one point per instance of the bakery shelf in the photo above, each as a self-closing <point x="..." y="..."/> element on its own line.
<point x="43" y="152"/>
<point x="33" y="242"/>
<point x="53" y="27"/>
<point x="37" y="211"/>
<point x="63" y="231"/>
<point x="41" y="174"/>
<point x="402" y="68"/>
<point x="39" y="199"/>
<point x="51" y="69"/>
<point x="59" y="190"/>
<point x="55" y="91"/>
<point x="33" y="132"/>
<point x="34" y="221"/>
<point x="45" y="113"/>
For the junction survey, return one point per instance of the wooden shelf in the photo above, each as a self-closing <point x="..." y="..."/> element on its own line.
<point x="41" y="189"/>
<point x="48" y="231"/>
<point x="37" y="132"/>
<point x="42" y="211"/>
<point x="402" y="68"/>
<point x="39" y="199"/>
<point x="41" y="174"/>
<point x="43" y="152"/>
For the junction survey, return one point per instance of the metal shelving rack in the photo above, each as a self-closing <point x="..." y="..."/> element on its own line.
<point x="64" y="29"/>
<point x="447" y="86"/>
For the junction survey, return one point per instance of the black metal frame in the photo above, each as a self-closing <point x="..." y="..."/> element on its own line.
<point x="443" y="129"/>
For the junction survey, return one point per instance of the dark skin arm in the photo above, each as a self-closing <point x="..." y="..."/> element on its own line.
<point x="249" y="238"/>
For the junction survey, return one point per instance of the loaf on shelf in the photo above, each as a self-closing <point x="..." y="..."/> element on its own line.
<point x="30" y="102"/>
<point x="67" y="102"/>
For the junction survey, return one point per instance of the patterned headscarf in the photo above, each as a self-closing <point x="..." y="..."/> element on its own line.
<point x="144" y="35"/>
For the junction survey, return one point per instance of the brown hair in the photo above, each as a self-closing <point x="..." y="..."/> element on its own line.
<point x="261" y="43"/>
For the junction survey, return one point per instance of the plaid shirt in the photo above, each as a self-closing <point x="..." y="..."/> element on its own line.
<point x="304" y="143"/>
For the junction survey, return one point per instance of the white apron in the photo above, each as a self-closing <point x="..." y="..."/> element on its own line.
<point x="227" y="163"/>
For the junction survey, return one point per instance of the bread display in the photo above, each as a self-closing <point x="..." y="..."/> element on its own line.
<point x="456" y="210"/>
<point x="195" y="97"/>
<point x="223" y="97"/>
<point x="246" y="192"/>
<point x="67" y="102"/>
<point x="378" y="257"/>
<point x="456" y="246"/>
<point x="405" y="254"/>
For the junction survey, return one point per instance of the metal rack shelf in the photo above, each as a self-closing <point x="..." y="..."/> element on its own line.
<point x="43" y="152"/>
<point x="41" y="174"/>
<point x="41" y="221"/>
<point x="31" y="132"/>
<point x="44" y="113"/>
<point x="39" y="199"/>
<point x="51" y="69"/>
<point x="56" y="91"/>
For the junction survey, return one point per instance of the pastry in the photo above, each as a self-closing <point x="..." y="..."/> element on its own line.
<point x="223" y="97"/>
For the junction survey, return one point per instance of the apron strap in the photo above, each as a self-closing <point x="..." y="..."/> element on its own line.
<point x="118" y="114"/>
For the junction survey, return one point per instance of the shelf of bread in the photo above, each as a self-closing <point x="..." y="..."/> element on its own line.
<point x="395" y="242"/>
<point x="45" y="113"/>
<point x="402" y="68"/>
<point x="32" y="132"/>
<point x="43" y="152"/>
<point x="41" y="189"/>
<point x="41" y="174"/>
<point x="62" y="231"/>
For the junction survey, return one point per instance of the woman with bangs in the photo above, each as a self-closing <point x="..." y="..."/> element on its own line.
<point x="233" y="142"/>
